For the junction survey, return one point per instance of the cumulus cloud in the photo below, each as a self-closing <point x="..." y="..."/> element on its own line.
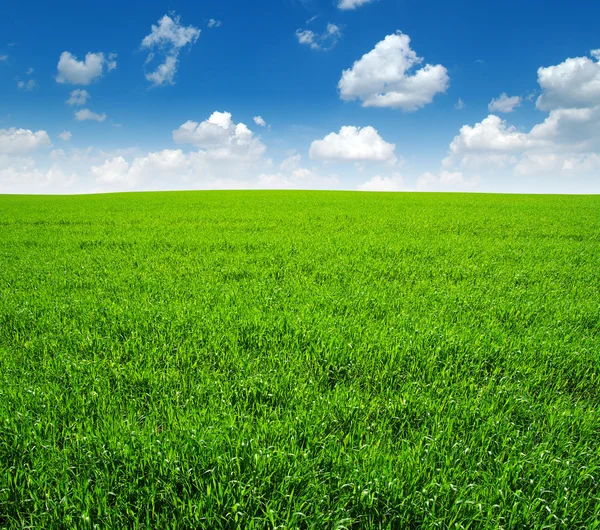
<point x="86" y="114"/>
<point x="378" y="183"/>
<point x="260" y="121"/>
<point x="175" y="169"/>
<point x="224" y="155"/>
<point x="320" y="41"/>
<point x="15" y="179"/>
<point x="162" y="169"/>
<point x="504" y="103"/>
<point x="386" y="77"/>
<point x="65" y="136"/>
<point x="352" y="4"/>
<point x="353" y="144"/>
<point x="18" y="170"/>
<point x="494" y="143"/>
<point x="85" y="72"/>
<point x="113" y="171"/>
<point x="221" y="138"/>
<point x="167" y="39"/>
<point x="18" y="141"/>
<point x="574" y="83"/>
<point x="566" y="143"/>
<point x="78" y="97"/>
<point x="491" y="134"/>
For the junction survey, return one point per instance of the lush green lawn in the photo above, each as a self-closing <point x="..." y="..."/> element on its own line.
<point x="299" y="360"/>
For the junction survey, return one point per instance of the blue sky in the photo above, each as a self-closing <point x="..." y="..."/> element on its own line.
<point x="354" y="94"/>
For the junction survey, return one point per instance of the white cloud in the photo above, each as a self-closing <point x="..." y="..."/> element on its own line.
<point x="111" y="63"/>
<point x="228" y="156"/>
<point x="460" y="104"/>
<point x="174" y="169"/>
<point x="14" y="179"/>
<point x="3" y="58"/>
<point x="168" y="38"/>
<point x="355" y="144"/>
<point x="574" y="83"/>
<point x="167" y="165"/>
<point x="27" y="85"/>
<point x="113" y="171"/>
<point x="545" y="164"/>
<point x="65" y="136"/>
<point x="75" y="72"/>
<point x="18" y="141"/>
<point x="491" y="134"/>
<point x="320" y="41"/>
<point x="384" y="77"/>
<point x="306" y="36"/>
<point x="565" y="144"/>
<point x="291" y="163"/>
<point x="296" y="178"/>
<point x="260" y="121"/>
<point x="165" y="73"/>
<point x="504" y="103"/>
<point x="212" y="23"/>
<point x="171" y="34"/>
<point x="579" y="128"/>
<point x="78" y="97"/>
<point x="57" y="154"/>
<point x="293" y="176"/>
<point x="221" y="138"/>
<point x="29" y="71"/>
<point x="86" y="114"/>
<point x="378" y="183"/>
<point x="352" y="4"/>
<point x="446" y="181"/>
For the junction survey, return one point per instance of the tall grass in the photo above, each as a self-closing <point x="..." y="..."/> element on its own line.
<point x="299" y="360"/>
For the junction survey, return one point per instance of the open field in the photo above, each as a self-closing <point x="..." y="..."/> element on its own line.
<point x="299" y="360"/>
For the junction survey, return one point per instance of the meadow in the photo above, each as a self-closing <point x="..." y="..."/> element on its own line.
<point x="288" y="360"/>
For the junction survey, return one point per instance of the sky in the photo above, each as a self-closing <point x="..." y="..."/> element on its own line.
<point x="373" y="95"/>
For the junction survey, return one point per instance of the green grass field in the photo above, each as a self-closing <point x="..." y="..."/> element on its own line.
<point x="299" y="360"/>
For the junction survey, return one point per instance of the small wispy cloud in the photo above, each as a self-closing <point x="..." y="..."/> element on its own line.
<point x="86" y="114"/>
<point x="320" y="41"/>
<point x="504" y="103"/>
<point x="212" y="23"/>
<point x="260" y="121"/>
<point x="28" y="86"/>
<point x="352" y="4"/>
<point x="78" y="98"/>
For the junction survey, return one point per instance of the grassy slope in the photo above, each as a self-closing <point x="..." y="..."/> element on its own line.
<point x="302" y="359"/>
